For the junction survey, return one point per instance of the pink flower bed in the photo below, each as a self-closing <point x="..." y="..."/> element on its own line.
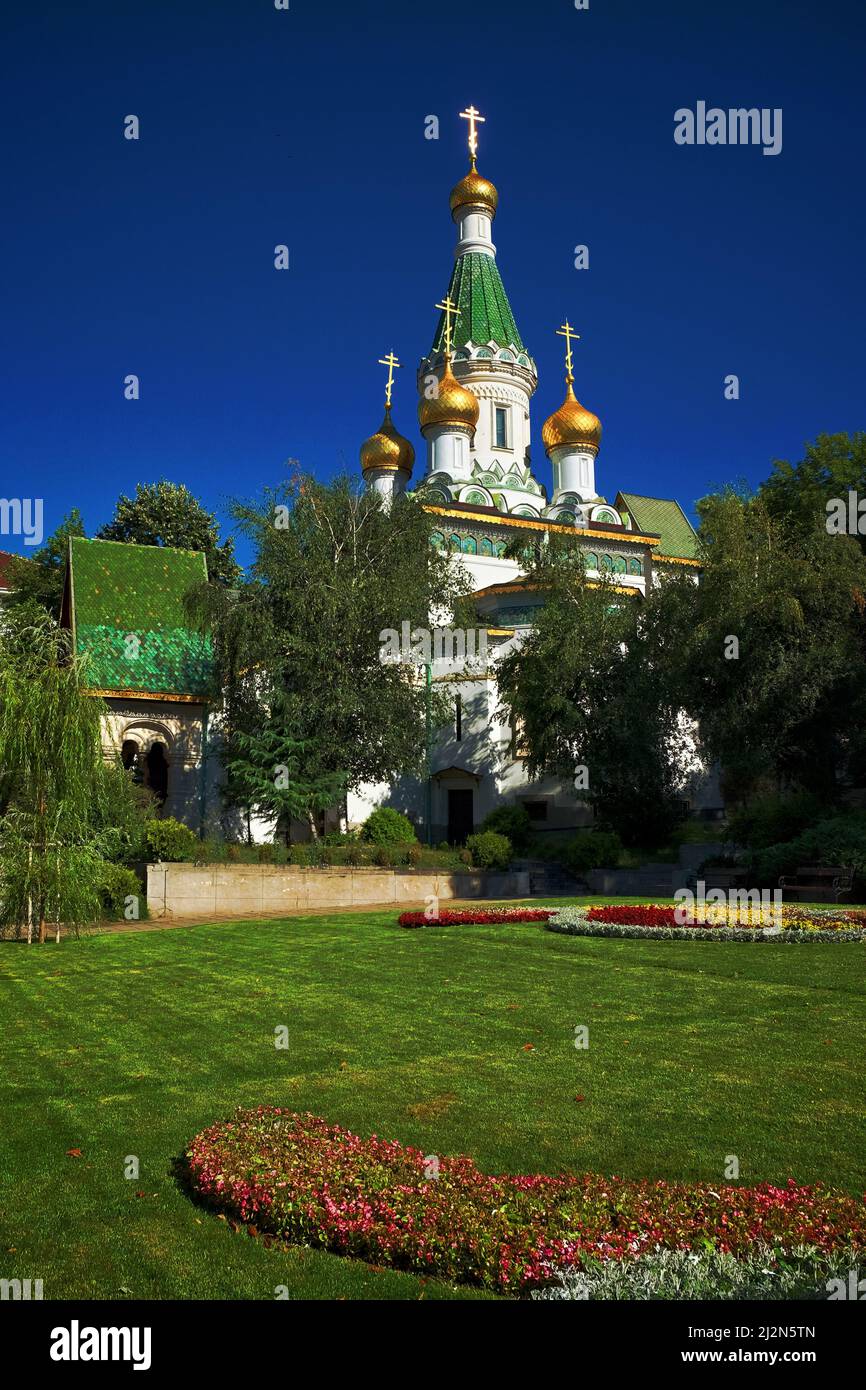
<point x="302" y="1180"/>
<point x="478" y="915"/>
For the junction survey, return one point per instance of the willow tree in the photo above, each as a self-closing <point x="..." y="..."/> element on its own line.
<point x="64" y="811"/>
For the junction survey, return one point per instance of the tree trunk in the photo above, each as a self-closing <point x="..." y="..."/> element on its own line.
<point x="314" y="829"/>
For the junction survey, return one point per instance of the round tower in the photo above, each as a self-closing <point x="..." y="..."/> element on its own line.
<point x="571" y="438"/>
<point x="387" y="456"/>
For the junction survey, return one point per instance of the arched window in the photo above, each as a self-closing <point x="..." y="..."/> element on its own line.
<point x="437" y="539"/>
<point x="591" y="560"/>
<point x="470" y="546"/>
<point x="635" y="566"/>
<point x="500" y="549"/>
<point x="606" y="563"/>
<point x="619" y="564"/>
<point x="486" y="546"/>
<point x="455" y="542"/>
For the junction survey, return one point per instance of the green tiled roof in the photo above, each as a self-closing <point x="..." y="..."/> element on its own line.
<point x="485" y="314"/>
<point x="663" y="517"/>
<point x="129" y="621"/>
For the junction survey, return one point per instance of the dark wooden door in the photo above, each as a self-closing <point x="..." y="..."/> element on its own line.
<point x="460" y="820"/>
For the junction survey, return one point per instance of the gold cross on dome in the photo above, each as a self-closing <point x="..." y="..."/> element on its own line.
<point x="390" y="362"/>
<point x="449" y="309"/>
<point x="474" y="118"/>
<point x="566" y="331"/>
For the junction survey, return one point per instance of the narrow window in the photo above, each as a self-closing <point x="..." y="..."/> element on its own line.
<point x="501" y="427"/>
<point x="458" y="717"/>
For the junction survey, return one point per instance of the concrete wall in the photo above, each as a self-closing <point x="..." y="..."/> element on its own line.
<point x="184" y="891"/>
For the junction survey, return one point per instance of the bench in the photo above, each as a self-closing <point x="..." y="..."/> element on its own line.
<point x="811" y="884"/>
<point x="724" y="878"/>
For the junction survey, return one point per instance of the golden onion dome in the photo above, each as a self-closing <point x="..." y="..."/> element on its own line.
<point x="387" y="449"/>
<point x="452" y="405"/>
<point x="572" y="424"/>
<point x="474" y="188"/>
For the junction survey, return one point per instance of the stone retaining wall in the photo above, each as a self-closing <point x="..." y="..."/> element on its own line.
<point x="179" y="891"/>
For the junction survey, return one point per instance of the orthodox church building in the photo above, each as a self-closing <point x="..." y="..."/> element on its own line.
<point x="124" y="604"/>
<point x="475" y="388"/>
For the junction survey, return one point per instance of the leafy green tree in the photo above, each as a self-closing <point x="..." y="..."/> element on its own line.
<point x="38" y="579"/>
<point x="799" y="492"/>
<point x="334" y="569"/>
<point x="773" y="662"/>
<point x="593" y="701"/>
<point x="268" y="774"/>
<point x="166" y="513"/>
<point x="66" y="812"/>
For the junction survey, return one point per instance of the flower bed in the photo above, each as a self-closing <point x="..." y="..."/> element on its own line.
<point x="649" y="921"/>
<point x="302" y="1180"/>
<point x="477" y="915"/>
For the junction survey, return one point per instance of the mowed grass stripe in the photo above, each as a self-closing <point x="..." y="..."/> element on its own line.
<point x="455" y="1039"/>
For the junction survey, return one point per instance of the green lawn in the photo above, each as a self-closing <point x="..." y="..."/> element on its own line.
<point x="128" y="1044"/>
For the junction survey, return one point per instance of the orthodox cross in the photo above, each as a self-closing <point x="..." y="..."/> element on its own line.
<point x="474" y="118"/>
<point x="449" y="309"/>
<point x="566" y="331"/>
<point x="390" y="362"/>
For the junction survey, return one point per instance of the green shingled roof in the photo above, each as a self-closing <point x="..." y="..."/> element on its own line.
<point x="663" y="517"/>
<point x="129" y="621"/>
<point x="485" y="314"/>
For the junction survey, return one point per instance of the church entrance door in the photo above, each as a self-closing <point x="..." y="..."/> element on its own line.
<point x="460" y="815"/>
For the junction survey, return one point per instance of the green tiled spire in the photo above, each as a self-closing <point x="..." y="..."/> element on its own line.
<point x="126" y="607"/>
<point x="485" y="314"/>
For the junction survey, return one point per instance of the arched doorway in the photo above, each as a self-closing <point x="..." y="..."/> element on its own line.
<point x="156" y="771"/>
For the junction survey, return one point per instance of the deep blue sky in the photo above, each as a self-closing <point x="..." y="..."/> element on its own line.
<point x="307" y="127"/>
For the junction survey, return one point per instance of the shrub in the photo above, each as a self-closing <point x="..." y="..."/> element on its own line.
<point x="354" y="853"/>
<point x="489" y="850"/>
<point x="299" y="855"/>
<point x="591" y="849"/>
<point x="512" y="821"/>
<point x="340" y="837"/>
<point x="444" y="846"/>
<point x="839" y="840"/>
<point x="305" y="1181"/>
<point x="387" y="827"/>
<point x="266" y="854"/>
<point x="413" y="855"/>
<point x="464" y="855"/>
<point x="117" y="885"/>
<point x="384" y="856"/>
<point x="171" y="842"/>
<point x="773" y="820"/>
